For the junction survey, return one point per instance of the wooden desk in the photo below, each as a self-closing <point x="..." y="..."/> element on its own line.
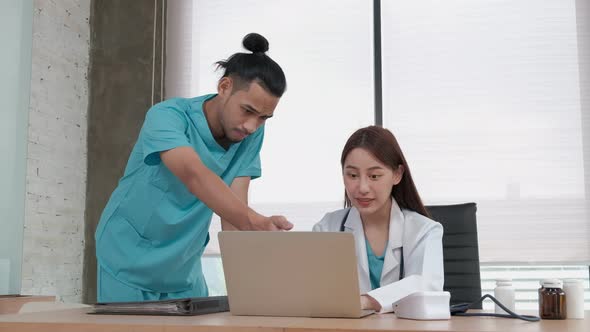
<point x="78" y="320"/>
<point x="11" y="304"/>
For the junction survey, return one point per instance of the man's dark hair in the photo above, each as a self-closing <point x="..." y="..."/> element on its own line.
<point x="244" y="68"/>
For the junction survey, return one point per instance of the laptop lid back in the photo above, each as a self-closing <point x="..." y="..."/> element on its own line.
<point x="304" y="274"/>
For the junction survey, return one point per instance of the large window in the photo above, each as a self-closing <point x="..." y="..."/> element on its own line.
<point x="485" y="99"/>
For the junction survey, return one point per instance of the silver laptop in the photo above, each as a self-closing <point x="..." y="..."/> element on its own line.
<point x="303" y="274"/>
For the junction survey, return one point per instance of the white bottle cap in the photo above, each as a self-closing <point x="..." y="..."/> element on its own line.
<point x="504" y="281"/>
<point x="552" y="283"/>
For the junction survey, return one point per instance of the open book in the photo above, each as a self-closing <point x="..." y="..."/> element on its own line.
<point x="184" y="307"/>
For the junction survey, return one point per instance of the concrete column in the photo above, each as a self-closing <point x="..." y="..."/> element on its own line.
<point x="126" y="71"/>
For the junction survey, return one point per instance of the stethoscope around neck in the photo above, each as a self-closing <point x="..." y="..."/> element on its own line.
<point x="401" y="264"/>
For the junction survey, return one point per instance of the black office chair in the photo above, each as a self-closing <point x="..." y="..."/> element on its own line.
<point x="460" y="251"/>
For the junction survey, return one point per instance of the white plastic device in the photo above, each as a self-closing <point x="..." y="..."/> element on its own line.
<point x="424" y="306"/>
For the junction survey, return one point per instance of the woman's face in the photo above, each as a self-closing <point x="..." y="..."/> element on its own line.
<point x="368" y="182"/>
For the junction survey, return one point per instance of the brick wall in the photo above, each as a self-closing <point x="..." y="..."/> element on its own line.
<point x="56" y="160"/>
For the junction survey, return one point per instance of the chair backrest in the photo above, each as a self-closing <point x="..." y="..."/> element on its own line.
<point x="460" y="251"/>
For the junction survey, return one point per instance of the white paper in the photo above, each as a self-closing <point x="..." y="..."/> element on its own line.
<point x="388" y="295"/>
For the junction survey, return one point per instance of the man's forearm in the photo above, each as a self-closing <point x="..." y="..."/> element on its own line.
<point x="185" y="164"/>
<point x="212" y="191"/>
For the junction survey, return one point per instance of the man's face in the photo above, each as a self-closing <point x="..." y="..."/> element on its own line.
<point x="245" y="110"/>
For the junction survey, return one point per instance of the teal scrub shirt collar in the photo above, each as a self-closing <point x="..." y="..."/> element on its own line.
<point x="200" y="120"/>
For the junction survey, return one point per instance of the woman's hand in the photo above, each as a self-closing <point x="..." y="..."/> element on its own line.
<point x="369" y="303"/>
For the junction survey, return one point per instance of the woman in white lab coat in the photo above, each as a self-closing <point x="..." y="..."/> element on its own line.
<point x="393" y="234"/>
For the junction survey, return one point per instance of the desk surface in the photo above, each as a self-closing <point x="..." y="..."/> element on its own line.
<point x="78" y="320"/>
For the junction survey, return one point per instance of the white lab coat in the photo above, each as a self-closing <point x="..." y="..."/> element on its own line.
<point x="420" y="237"/>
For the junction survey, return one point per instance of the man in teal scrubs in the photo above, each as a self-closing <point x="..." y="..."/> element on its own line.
<point x="193" y="157"/>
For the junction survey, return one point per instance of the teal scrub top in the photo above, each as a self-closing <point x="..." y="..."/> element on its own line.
<point x="153" y="231"/>
<point x="375" y="266"/>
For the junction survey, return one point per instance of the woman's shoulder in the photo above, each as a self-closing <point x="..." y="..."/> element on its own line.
<point x="419" y="223"/>
<point x="331" y="221"/>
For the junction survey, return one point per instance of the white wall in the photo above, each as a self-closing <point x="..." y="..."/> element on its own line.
<point x="15" y="66"/>
<point x="56" y="162"/>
